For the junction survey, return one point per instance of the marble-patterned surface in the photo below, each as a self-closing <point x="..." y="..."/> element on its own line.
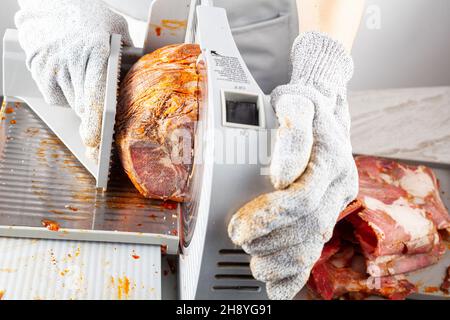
<point x="411" y="123"/>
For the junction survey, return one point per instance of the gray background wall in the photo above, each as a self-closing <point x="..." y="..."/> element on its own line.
<point x="401" y="43"/>
<point x="411" y="47"/>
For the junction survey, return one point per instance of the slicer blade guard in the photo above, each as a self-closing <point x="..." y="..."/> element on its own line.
<point x="19" y="86"/>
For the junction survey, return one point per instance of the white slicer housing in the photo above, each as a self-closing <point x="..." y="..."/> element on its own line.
<point x="211" y="266"/>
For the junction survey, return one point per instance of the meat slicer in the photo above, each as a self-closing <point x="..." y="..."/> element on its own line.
<point x="45" y="174"/>
<point x="231" y="155"/>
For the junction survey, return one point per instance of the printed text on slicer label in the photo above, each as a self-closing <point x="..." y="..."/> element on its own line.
<point x="229" y="69"/>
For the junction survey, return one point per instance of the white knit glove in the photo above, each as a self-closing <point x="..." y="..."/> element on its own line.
<point x="67" y="45"/>
<point x="312" y="166"/>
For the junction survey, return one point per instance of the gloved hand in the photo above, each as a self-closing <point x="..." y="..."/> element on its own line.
<point x="312" y="166"/>
<point x="67" y="45"/>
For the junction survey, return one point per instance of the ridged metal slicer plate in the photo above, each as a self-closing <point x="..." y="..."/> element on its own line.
<point x="42" y="182"/>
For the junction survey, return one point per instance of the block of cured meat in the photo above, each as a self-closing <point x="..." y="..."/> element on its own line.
<point x="156" y="115"/>
<point x="391" y="228"/>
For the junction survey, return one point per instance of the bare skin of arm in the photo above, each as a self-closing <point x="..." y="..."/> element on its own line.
<point x="337" y="18"/>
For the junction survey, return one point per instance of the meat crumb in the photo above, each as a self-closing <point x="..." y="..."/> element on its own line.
<point x="431" y="289"/>
<point x="9" y="110"/>
<point x="71" y="208"/>
<point x="445" y="286"/>
<point x="134" y="255"/>
<point x="50" y="225"/>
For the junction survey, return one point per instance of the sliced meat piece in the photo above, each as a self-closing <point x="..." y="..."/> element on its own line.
<point x="352" y="207"/>
<point x="330" y="248"/>
<point x="388" y="181"/>
<point x="434" y="206"/>
<point x="341" y="270"/>
<point x="392" y="229"/>
<point x="402" y="263"/>
<point x="445" y="286"/>
<point x="401" y="208"/>
<point x="331" y="282"/>
<point x="156" y="115"/>
<point x="376" y="181"/>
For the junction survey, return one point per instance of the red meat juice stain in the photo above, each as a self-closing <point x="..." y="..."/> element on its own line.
<point x="170" y="205"/>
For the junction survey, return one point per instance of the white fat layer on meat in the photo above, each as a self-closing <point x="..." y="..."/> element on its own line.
<point x="374" y="270"/>
<point x="373" y="265"/>
<point x="384" y="259"/>
<point x="386" y="178"/>
<point x="436" y="238"/>
<point x="377" y="229"/>
<point x="417" y="183"/>
<point x="410" y="219"/>
<point x="165" y="161"/>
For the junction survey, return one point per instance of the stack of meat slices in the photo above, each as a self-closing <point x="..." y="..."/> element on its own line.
<point x="394" y="226"/>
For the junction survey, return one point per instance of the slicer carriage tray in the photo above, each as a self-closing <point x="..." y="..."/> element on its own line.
<point x="46" y="193"/>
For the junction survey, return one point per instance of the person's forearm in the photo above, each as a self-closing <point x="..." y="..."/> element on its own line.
<point x="337" y="18"/>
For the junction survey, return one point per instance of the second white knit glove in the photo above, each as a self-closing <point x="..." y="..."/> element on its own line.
<point x="312" y="166"/>
<point x="67" y="44"/>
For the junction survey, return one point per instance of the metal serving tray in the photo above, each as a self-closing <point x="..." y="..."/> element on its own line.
<point x="43" y="187"/>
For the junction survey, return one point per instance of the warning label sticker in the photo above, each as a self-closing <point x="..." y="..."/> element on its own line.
<point x="229" y="69"/>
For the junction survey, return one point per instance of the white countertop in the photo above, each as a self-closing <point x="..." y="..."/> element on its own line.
<point x="411" y="124"/>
